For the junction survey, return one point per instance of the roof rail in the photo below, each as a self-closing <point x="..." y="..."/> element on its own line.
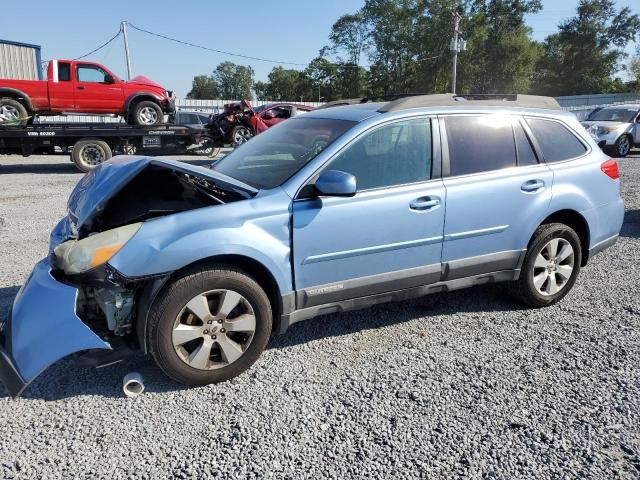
<point x="487" y="100"/>
<point x="378" y="98"/>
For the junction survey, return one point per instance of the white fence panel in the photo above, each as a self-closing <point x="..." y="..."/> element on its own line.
<point x="208" y="106"/>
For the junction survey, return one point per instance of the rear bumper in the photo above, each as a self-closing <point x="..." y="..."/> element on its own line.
<point x="42" y="329"/>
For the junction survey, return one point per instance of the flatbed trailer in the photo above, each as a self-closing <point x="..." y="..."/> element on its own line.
<point x="90" y="144"/>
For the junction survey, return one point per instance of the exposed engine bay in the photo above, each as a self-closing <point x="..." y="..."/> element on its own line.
<point x="106" y="301"/>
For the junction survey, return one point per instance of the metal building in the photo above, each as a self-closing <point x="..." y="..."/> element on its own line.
<point x="20" y="61"/>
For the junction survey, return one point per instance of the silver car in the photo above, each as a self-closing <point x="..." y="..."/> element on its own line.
<point x="617" y="128"/>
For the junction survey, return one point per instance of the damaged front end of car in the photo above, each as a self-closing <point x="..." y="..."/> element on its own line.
<point x="74" y="301"/>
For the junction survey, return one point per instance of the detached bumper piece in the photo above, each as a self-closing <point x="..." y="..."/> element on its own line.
<point x="42" y="329"/>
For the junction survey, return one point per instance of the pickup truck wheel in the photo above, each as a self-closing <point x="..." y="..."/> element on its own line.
<point x="147" y="113"/>
<point x="209" y="325"/>
<point x="87" y="154"/>
<point x="550" y="267"/>
<point x="12" y="112"/>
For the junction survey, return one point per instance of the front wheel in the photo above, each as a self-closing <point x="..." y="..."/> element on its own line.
<point x="209" y="325"/>
<point x="87" y="154"/>
<point x="240" y="134"/>
<point x="622" y="148"/>
<point x="207" y="147"/>
<point x="550" y="267"/>
<point x="147" y="113"/>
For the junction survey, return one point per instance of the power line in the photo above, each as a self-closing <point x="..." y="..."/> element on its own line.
<point x="215" y="50"/>
<point x="100" y="47"/>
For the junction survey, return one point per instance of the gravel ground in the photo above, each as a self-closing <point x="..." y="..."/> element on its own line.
<point x="463" y="385"/>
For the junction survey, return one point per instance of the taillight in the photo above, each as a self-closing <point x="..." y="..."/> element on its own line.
<point x="610" y="169"/>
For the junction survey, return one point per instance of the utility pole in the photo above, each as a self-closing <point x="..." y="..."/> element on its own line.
<point x="455" y="47"/>
<point x="123" y="28"/>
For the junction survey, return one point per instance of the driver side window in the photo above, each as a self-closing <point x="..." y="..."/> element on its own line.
<point x="91" y="73"/>
<point x="391" y="155"/>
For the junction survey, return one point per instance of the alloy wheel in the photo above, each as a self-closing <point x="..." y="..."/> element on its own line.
<point x="148" y="116"/>
<point x="214" y="329"/>
<point x="241" y="136"/>
<point x="553" y="267"/>
<point x="9" y="113"/>
<point x="624" y="146"/>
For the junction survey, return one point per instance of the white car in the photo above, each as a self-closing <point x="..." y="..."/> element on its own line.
<point x="617" y="126"/>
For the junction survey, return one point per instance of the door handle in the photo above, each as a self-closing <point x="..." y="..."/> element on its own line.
<point x="80" y="87"/>
<point x="531" y="186"/>
<point x="424" y="203"/>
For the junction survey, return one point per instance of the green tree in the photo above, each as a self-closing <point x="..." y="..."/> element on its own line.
<point x="587" y="51"/>
<point x="234" y="81"/>
<point x="203" y="87"/>
<point x="285" y="84"/>
<point x="501" y="56"/>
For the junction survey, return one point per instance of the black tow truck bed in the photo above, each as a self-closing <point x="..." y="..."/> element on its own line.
<point x="89" y="144"/>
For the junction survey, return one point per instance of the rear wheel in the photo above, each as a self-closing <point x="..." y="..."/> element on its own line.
<point x="87" y="154"/>
<point x="209" y="325"/>
<point x="12" y="112"/>
<point x="147" y="113"/>
<point x="550" y="267"/>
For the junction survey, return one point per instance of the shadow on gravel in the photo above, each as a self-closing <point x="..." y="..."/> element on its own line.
<point x="488" y="298"/>
<point x="63" y="166"/>
<point x="67" y="379"/>
<point x="36" y="168"/>
<point x="631" y="225"/>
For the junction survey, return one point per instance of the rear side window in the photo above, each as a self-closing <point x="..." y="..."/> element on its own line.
<point x="556" y="141"/>
<point x="394" y="154"/>
<point x="64" y="72"/>
<point x="526" y="154"/>
<point x="479" y="144"/>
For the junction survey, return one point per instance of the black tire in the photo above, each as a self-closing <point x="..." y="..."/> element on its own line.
<point x="208" y="149"/>
<point x="239" y="135"/>
<point x="146" y="113"/>
<point x="87" y="154"/>
<point x="623" y="146"/>
<point x="173" y="300"/>
<point x="524" y="289"/>
<point x="12" y="112"/>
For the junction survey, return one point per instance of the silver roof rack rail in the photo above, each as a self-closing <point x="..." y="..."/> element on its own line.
<point x="485" y="100"/>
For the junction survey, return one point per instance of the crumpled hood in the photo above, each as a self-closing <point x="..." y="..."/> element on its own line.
<point x="144" y="81"/>
<point x="92" y="193"/>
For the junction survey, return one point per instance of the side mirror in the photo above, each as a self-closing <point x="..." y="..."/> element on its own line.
<point x="108" y="79"/>
<point x="335" y="183"/>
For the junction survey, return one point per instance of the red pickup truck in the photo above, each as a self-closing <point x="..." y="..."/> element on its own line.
<point x="84" y="87"/>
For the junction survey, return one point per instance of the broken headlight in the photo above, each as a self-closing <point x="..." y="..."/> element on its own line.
<point x="77" y="256"/>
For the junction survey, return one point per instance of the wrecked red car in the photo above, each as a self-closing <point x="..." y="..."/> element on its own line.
<point x="240" y="120"/>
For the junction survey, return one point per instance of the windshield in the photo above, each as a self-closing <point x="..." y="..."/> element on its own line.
<point x="625" y="115"/>
<point x="274" y="156"/>
<point x="260" y="108"/>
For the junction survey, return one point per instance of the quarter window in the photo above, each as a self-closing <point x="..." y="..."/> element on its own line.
<point x="64" y="72"/>
<point x="556" y="141"/>
<point x="479" y="144"/>
<point x="394" y="154"/>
